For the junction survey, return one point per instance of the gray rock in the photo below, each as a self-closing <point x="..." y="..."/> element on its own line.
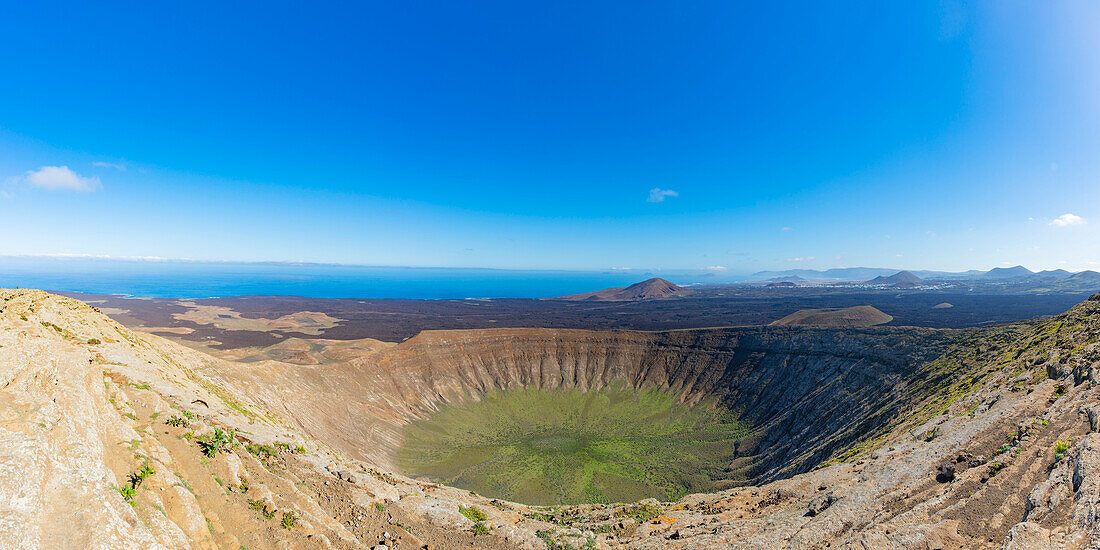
<point x="946" y="472"/>
<point x="347" y="476"/>
<point x="820" y="504"/>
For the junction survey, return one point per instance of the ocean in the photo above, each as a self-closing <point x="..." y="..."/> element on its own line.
<point x="180" y="279"/>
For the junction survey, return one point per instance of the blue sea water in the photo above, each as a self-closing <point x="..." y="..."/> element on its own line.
<point x="178" y="279"/>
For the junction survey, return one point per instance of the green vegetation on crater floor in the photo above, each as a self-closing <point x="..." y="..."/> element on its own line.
<point x="568" y="446"/>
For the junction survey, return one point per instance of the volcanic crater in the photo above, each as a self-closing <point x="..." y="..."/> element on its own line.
<point x="639" y="414"/>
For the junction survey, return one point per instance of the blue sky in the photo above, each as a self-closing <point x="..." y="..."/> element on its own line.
<point x="571" y="135"/>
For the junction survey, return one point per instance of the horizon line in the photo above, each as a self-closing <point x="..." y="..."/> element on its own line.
<point x="711" y="269"/>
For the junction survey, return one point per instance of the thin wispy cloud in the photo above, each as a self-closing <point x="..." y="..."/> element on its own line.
<point x="801" y="259"/>
<point x="1066" y="220"/>
<point x="716" y="268"/>
<point x="60" y="178"/>
<point x="659" y="195"/>
<point x="116" y="166"/>
<point x="74" y="256"/>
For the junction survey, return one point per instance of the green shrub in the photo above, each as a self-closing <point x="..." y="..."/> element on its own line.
<point x="128" y="493"/>
<point x="262" y="451"/>
<point x="220" y="440"/>
<point x="94" y="341"/>
<point x="261" y="507"/>
<point x="644" y="513"/>
<point x="176" y="422"/>
<point x="473" y="513"/>
<point x="1060" y="448"/>
<point x="481" y="529"/>
<point x="290" y="520"/>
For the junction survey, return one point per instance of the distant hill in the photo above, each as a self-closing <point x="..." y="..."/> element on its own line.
<point x="1015" y="272"/>
<point x="1056" y="273"/>
<point x="901" y="278"/>
<point x="1085" y="276"/>
<point x="651" y="289"/>
<point x="781" y="284"/>
<point x="788" y="279"/>
<point x="856" y="316"/>
<point x="1085" y="281"/>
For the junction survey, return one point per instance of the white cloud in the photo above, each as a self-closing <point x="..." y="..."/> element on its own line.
<point x="658" y="195"/>
<point x="785" y="229"/>
<point x="117" y="166"/>
<point x="1066" y="220"/>
<point x="803" y="259"/>
<point x="55" y="178"/>
<point x="716" y="268"/>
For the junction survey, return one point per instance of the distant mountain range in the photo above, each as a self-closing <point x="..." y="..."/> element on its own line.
<point x="869" y="273"/>
<point x="1053" y="279"/>
<point x="855" y="274"/>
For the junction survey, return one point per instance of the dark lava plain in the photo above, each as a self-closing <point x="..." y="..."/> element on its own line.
<point x="717" y="306"/>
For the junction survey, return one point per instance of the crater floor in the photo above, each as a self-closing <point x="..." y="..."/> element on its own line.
<point x="567" y="446"/>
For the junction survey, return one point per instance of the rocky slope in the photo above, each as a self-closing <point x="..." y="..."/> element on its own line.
<point x="864" y="438"/>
